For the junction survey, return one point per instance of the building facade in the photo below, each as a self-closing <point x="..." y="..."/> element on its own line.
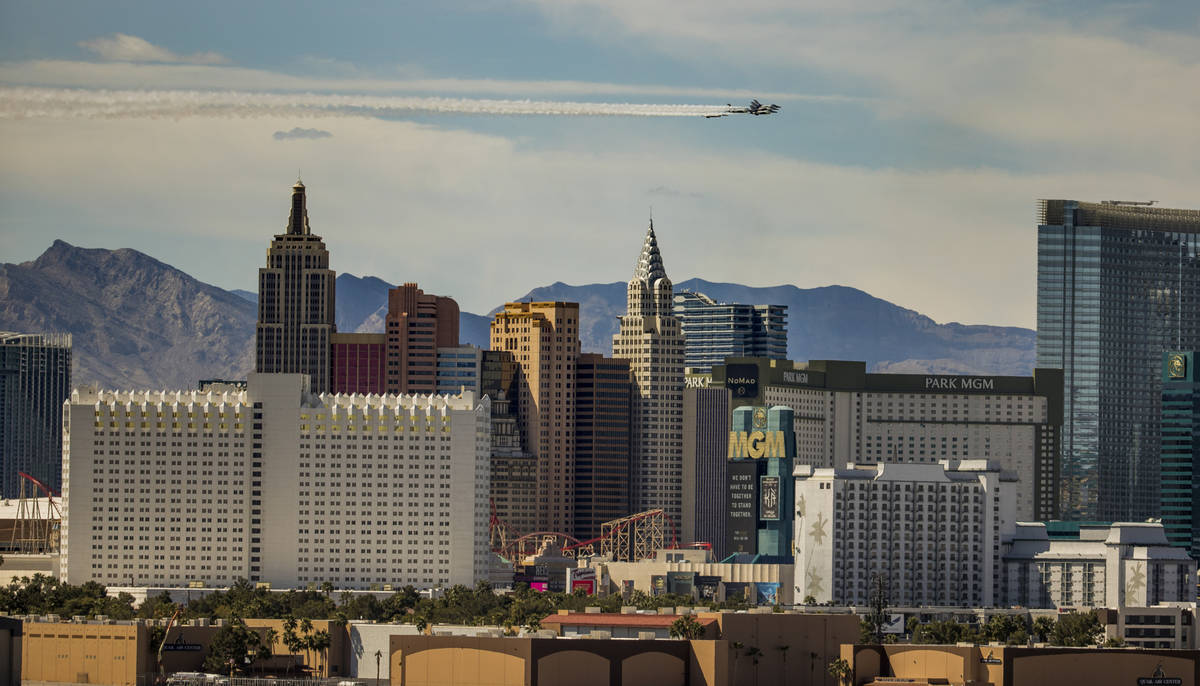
<point x="932" y="530"/>
<point x="602" y="448"/>
<point x="296" y="302"/>
<point x="1180" y="451"/>
<point x="843" y="414"/>
<point x="1115" y="566"/>
<point x="358" y="362"/>
<point x="417" y="325"/>
<point x="35" y="379"/>
<point x="274" y="484"/>
<point x="458" y="369"/>
<point x="713" y="331"/>
<point x="1118" y="285"/>
<point x="705" y="467"/>
<point x="514" y="471"/>
<point x="651" y="339"/>
<point x="543" y="338"/>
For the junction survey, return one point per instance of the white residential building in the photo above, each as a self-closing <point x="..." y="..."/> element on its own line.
<point x="274" y="484"/>
<point x="1116" y="566"/>
<point x="933" y="530"/>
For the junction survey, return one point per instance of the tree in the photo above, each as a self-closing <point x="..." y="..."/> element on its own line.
<point x="945" y="633"/>
<point x="840" y="669"/>
<point x="231" y="648"/>
<point x="873" y="623"/>
<point x="687" y="627"/>
<point x="1008" y="629"/>
<point x="320" y="643"/>
<point x="810" y="600"/>
<point x="1077" y="630"/>
<point x="1042" y="626"/>
<point x="1114" y="642"/>
<point x="753" y="652"/>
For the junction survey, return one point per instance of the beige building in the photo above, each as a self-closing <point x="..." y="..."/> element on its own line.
<point x="651" y="339"/>
<point x="543" y="338"/>
<point x="275" y="484"/>
<point x="923" y="665"/>
<point x="784" y="649"/>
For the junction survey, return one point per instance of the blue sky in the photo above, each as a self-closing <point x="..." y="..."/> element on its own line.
<point x="913" y="141"/>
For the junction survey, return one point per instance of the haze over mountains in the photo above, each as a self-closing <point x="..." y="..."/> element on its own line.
<point x="140" y="323"/>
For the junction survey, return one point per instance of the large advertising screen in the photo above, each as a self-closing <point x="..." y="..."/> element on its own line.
<point x="768" y="498"/>
<point x="741" y="525"/>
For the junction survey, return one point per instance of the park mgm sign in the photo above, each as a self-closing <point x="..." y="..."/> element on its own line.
<point x="762" y="447"/>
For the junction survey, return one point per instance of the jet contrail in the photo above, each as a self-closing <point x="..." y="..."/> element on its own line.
<point x="74" y="103"/>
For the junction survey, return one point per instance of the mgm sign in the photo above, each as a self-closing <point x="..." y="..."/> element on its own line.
<point x="762" y="444"/>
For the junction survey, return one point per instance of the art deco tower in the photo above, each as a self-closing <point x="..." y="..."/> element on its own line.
<point x="651" y="339"/>
<point x="295" y="302"/>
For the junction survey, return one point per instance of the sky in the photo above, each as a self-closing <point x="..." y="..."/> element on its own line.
<point x="443" y="143"/>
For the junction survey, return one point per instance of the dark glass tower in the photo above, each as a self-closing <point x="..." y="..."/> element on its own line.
<point x="1118" y="285"/>
<point x="1181" y="451"/>
<point x="35" y="379"/>
<point x="295" y="302"/>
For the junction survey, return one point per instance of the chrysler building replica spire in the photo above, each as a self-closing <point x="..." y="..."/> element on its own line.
<point x="651" y="339"/>
<point x="295" y="302"/>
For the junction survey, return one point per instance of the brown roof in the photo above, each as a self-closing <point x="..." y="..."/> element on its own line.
<point x="633" y="621"/>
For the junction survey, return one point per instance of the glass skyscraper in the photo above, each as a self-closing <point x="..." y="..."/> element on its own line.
<point x="1181" y="450"/>
<point x="35" y="379"/>
<point x="1118" y="285"/>
<point x="713" y="331"/>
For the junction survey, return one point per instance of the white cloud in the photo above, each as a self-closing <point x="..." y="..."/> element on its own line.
<point x="121" y="47"/>
<point x="484" y="219"/>
<point x="1094" y="83"/>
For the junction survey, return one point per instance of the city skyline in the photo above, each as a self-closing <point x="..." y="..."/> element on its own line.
<point x="911" y="158"/>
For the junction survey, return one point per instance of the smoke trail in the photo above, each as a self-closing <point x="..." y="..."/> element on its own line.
<point x="59" y="103"/>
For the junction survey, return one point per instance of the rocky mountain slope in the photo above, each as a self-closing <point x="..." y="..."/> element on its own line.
<point x="139" y="323"/>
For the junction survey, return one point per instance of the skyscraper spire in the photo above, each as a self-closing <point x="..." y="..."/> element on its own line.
<point x="650" y="265"/>
<point x="298" y="219"/>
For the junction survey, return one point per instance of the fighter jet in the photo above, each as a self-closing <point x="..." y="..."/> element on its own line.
<point x="756" y="108"/>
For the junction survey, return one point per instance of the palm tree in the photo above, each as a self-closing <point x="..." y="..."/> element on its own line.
<point x="783" y="650"/>
<point x="737" y="657"/>
<point x="320" y="643"/>
<point x="753" y="653"/>
<point x="840" y="669"/>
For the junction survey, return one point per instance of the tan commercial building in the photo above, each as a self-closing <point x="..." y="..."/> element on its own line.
<point x="543" y="338"/>
<point x="783" y="649"/>
<point x="921" y="665"/>
<point x="651" y="339"/>
<point x="122" y="654"/>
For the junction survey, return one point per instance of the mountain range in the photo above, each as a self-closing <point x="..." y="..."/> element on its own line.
<point x="139" y="323"/>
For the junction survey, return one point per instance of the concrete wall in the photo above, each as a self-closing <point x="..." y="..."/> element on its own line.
<point x="367" y="638"/>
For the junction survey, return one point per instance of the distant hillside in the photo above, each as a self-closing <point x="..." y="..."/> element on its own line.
<point x="139" y="323"/>
<point x="135" y="322"/>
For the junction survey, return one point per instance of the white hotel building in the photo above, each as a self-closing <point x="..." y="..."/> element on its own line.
<point x="274" y="484"/>
<point x="934" y="531"/>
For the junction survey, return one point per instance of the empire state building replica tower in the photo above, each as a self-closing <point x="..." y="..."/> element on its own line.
<point x="651" y="339"/>
<point x="295" y="302"/>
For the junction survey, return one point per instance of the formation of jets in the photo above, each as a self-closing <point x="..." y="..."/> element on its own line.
<point x="756" y="108"/>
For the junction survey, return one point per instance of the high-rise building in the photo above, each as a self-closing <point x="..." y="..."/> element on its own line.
<point x="932" y="530"/>
<point x="35" y="379"/>
<point x="514" y="491"/>
<point x="274" y="484"/>
<point x="706" y="416"/>
<point x="417" y="325"/>
<point x="601" y="443"/>
<point x="358" y="362"/>
<point x="296" y="302"/>
<point x="543" y="338"/>
<point x="651" y="339"/>
<point x="843" y="414"/>
<point x="713" y="331"/>
<point x="1118" y="285"/>
<point x="1180" y="456"/>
